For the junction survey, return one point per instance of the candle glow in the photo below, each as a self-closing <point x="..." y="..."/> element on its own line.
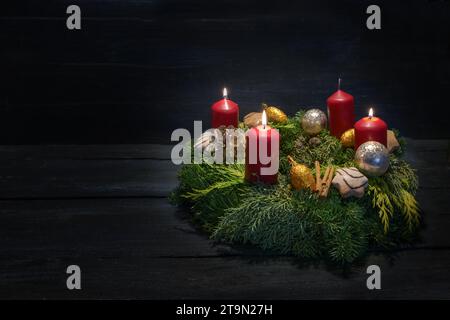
<point x="264" y="119"/>
<point x="225" y="112"/>
<point x="370" y="128"/>
<point x="262" y="153"/>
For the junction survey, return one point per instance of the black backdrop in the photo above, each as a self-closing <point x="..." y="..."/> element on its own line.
<point x="139" y="69"/>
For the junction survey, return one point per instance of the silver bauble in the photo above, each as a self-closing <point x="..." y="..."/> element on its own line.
<point x="372" y="158"/>
<point x="314" y="121"/>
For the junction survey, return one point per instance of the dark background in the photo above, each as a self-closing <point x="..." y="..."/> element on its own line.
<point x="139" y="69"/>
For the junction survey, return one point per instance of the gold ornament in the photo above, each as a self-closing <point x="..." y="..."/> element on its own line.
<point x="274" y="114"/>
<point x="348" y="138"/>
<point x="301" y="176"/>
<point x="253" y="119"/>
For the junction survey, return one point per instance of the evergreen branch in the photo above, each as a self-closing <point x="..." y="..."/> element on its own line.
<point x="282" y="220"/>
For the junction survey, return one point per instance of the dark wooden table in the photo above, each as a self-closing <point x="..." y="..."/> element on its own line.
<point x="105" y="208"/>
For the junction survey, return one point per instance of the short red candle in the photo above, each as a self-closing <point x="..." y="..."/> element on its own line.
<point x="225" y="112"/>
<point x="370" y="129"/>
<point x="259" y="135"/>
<point x="341" y="112"/>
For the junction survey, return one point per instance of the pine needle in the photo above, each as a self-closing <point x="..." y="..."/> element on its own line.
<point x="281" y="220"/>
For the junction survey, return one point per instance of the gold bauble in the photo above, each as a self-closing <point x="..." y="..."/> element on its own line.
<point x="301" y="176"/>
<point x="274" y="114"/>
<point x="348" y="138"/>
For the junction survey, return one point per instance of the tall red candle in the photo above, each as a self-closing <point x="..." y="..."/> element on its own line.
<point x="370" y="129"/>
<point x="341" y="112"/>
<point x="256" y="138"/>
<point x="225" y="112"/>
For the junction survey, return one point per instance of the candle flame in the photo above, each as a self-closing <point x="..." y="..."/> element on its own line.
<point x="371" y="113"/>
<point x="225" y="93"/>
<point x="264" y="119"/>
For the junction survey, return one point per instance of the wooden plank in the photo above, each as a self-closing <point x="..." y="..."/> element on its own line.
<point x="103" y="227"/>
<point x="54" y="178"/>
<point x="86" y="178"/>
<point x="406" y="275"/>
<point x="136" y="226"/>
<point x="127" y="171"/>
<point x="146" y="248"/>
<point x="435" y="177"/>
<point x="426" y="153"/>
<point x="419" y="152"/>
<point x="138" y="69"/>
<point x="85" y="152"/>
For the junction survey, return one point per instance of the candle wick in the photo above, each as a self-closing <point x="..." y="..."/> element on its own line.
<point x="339" y="83"/>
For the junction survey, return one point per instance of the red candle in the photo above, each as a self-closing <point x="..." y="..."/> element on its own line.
<point x="262" y="153"/>
<point x="341" y="112"/>
<point x="370" y="129"/>
<point x="225" y="112"/>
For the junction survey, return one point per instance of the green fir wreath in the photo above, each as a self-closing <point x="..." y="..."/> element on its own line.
<point x="286" y="221"/>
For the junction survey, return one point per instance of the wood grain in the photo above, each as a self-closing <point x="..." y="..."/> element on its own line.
<point x="139" y="69"/>
<point x="105" y="208"/>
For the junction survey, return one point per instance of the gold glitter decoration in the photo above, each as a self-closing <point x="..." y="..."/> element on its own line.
<point x="301" y="176"/>
<point x="348" y="138"/>
<point x="274" y="114"/>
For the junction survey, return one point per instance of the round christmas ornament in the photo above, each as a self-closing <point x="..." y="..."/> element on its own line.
<point x="372" y="158"/>
<point x="348" y="138"/>
<point x="314" y="121"/>
<point x="274" y="114"/>
<point x="301" y="176"/>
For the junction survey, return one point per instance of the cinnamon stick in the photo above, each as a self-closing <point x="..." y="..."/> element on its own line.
<point x="318" y="180"/>
<point x="324" y="180"/>
<point x="330" y="179"/>
<point x="326" y="188"/>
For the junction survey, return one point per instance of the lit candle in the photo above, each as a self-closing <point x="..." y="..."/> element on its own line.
<point x="225" y="112"/>
<point x="370" y="129"/>
<point x="341" y="112"/>
<point x="262" y="153"/>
